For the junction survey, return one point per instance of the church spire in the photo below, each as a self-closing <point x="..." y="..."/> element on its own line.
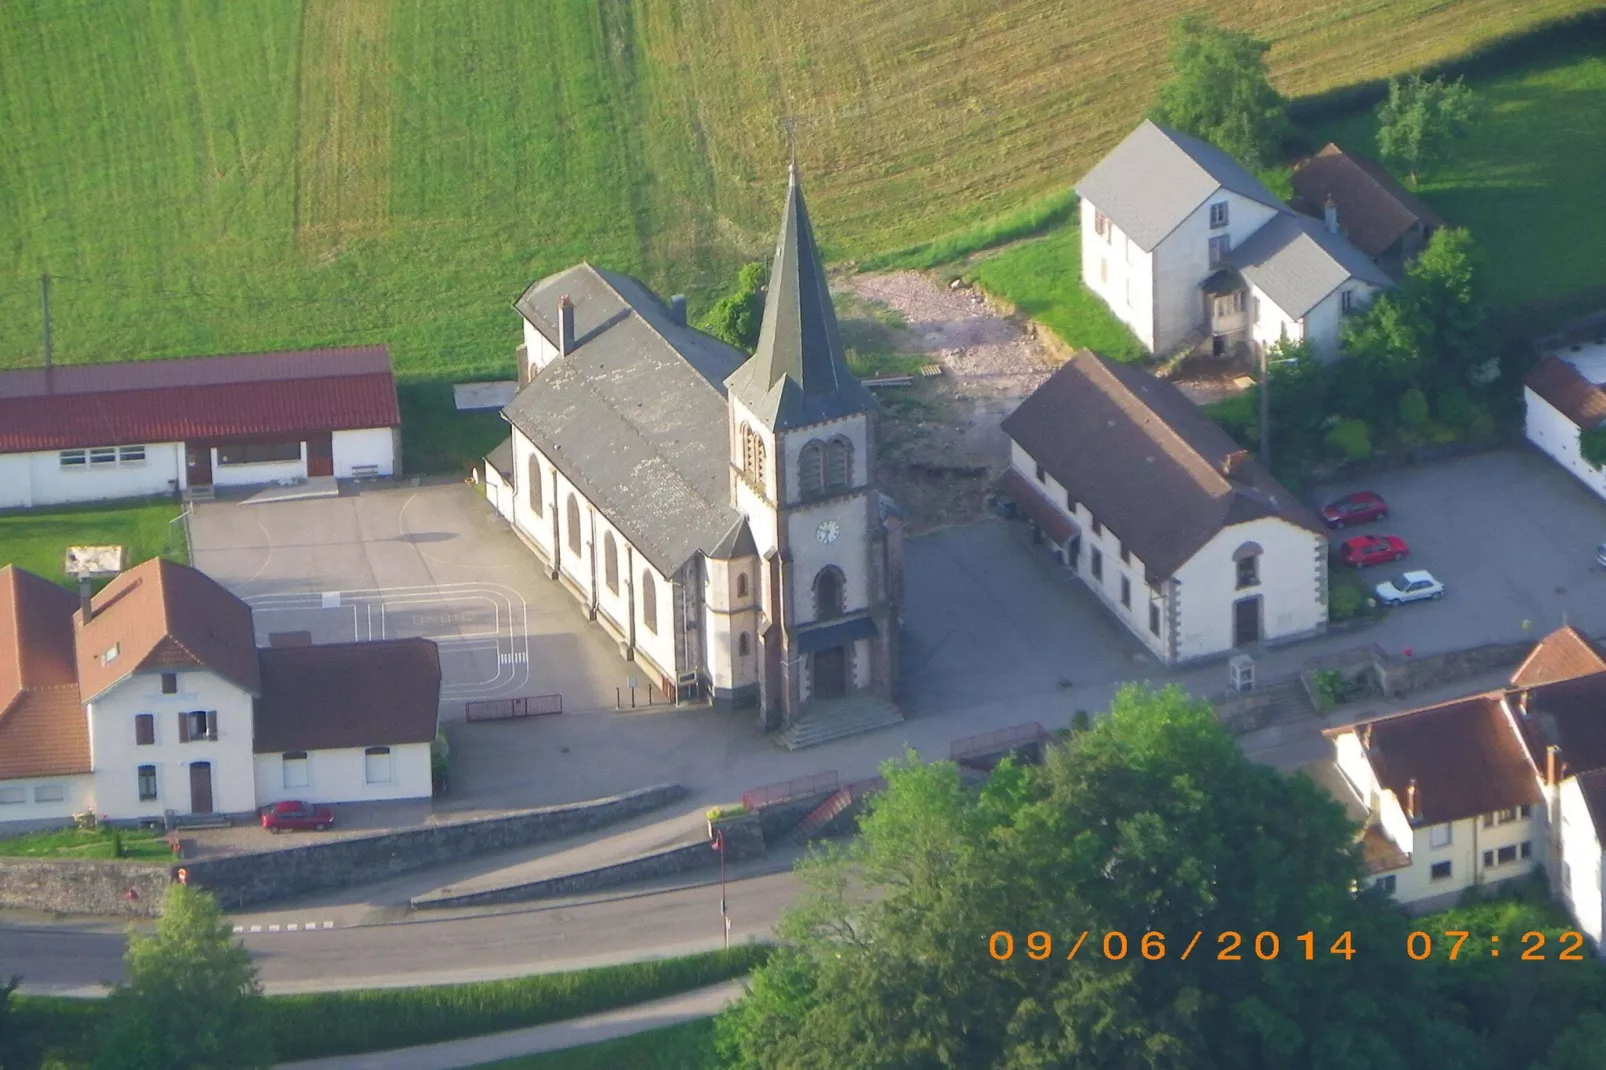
<point x="798" y="374"/>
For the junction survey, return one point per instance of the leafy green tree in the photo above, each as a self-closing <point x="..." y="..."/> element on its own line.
<point x="191" y="999"/>
<point x="21" y="1046"/>
<point x="736" y="318"/>
<point x="1218" y="91"/>
<point x="1151" y="824"/>
<point x="1421" y="120"/>
<point x="1579" y="1046"/>
<point x="1351" y="439"/>
<point x="1592" y="446"/>
<point x="1444" y="289"/>
<point x="1300" y="384"/>
<point x="1413" y="408"/>
<point x="1386" y="340"/>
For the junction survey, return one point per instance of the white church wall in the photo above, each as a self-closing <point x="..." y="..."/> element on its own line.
<point x="536" y="525"/>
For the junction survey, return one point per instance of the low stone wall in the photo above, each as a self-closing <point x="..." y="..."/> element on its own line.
<point x="693" y="856"/>
<point x="1246" y="712"/>
<point x="82" y="886"/>
<point x="1412" y="674"/>
<point x="243" y="880"/>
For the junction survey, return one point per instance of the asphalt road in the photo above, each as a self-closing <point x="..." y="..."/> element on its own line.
<point x="434" y="951"/>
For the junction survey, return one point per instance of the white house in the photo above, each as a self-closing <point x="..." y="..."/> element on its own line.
<point x="717" y="514"/>
<point x="1565" y="395"/>
<point x="87" y="432"/>
<point x="1191" y="543"/>
<point x="1190" y="250"/>
<point x="152" y="697"/>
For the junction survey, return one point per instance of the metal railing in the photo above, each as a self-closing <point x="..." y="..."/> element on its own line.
<point x="758" y="798"/>
<point x="994" y="742"/>
<point x="504" y="709"/>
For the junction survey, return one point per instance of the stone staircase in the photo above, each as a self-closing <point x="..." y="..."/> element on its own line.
<point x="200" y="494"/>
<point x="1287" y="701"/>
<point x="838" y="719"/>
<point x="1181" y="351"/>
<point x="821" y="816"/>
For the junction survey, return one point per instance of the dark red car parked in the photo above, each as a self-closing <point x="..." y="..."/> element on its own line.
<point x="298" y="816"/>
<point x="1363" y="550"/>
<point x="1357" y="508"/>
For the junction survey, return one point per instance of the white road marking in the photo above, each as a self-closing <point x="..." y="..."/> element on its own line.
<point x="256" y="928"/>
<point x="290" y="928"/>
<point x="273" y="928"/>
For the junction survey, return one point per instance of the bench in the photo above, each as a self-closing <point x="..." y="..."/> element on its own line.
<point x="201" y="821"/>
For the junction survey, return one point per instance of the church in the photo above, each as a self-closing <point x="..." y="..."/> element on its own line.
<point x="717" y="514"/>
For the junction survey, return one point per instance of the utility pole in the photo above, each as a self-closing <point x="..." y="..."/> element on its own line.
<point x="44" y="304"/>
<point x="1265" y="409"/>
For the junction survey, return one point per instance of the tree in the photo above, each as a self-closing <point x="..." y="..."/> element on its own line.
<point x="1420" y="121"/>
<point x="21" y="1046"/>
<point x="1299" y="385"/>
<point x="736" y="318"/>
<point x="1151" y="824"/>
<point x="1445" y="291"/>
<point x="1219" y="92"/>
<point x="191" y="999"/>
<point x="1386" y="340"/>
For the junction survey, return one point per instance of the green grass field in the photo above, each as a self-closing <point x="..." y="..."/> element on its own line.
<point x="86" y="843"/>
<point x="37" y="540"/>
<point x="213" y="178"/>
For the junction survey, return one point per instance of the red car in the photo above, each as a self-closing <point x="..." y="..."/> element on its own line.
<point x="1356" y="508"/>
<point x="296" y="816"/>
<point x="1362" y="550"/>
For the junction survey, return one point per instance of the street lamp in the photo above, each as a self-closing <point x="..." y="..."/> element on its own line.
<point x="719" y="845"/>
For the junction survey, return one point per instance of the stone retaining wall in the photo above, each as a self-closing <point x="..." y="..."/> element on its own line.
<point x="244" y="880"/>
<point x="1413" y="674"/>
<point x="82" y="886"/>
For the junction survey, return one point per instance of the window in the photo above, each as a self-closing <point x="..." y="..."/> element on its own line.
<point x="295" y="769"/>
<point x="1238" y="300"/>
<point x="1254" y="310"/>
<point x="49" y="793"/>
<point x="13" y="796"/>
<point x="197" y="724"/>
<point x="649" y="603"/>
<point x="1525" y="810"/>
<point x="828" y="593"/>
<point x="1440" y="871"/>
<point x="1219" y="247"/>
<point x="170" y="683"/>
<point x="73" y="458"/>
<point x="1282" y="331"/>
<point x="1095" y="562"/>
<point x="744" y="644"/>
<point x="1101" y="225"/>
<point x="1504" y="856"/>
<point x="1526" y="849"/>
<point x="1042" y="475"/>
<point x="1346" y="301"/>
<point x="1070" y="502"/>
<point x="144" y="729"/>
<point x="574" y="524"/>
<point x="1104" y="270"/>
<point x="753" y="457"/>
<point x="131" y="455"/>
<point x="147" y="783"/>
<point x="376" y="765"/>
<point x="811" y="469"/>
<point x="838" y="464"/>
<point x="1154" y="618"/>
<point x="610" y="562"/>
<point x="741" y="585"/>
<point x="103" y="455"/>
<point x="1098" y="529"/>
<point x="1247" y="561"/>
<point x="1439" y="836"/>
<point x="1218" y="215"/>
<point x="1126" y="555"/>
<point x="1126" y="592"/>
<point x="535" y="489"/>
<point x="1385" y="883"/>
<point x="258" y="452"/>
<point x="111" y="655"/>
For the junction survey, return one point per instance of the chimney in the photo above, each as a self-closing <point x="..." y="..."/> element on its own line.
<point x="1330" y="215"/>
<point x="1366" y="736"/>
<point x="565" y="326"/>
<point x="677" y="309"/>
<point x="1522" y="703"/>
<point x="1233" y="462"/>
<point x="1410" y="799"/>
<point x="1552" y="764"/>
<point x="86" y="590"/>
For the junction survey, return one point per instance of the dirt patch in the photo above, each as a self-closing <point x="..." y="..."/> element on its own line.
<point x="941" y="445"/>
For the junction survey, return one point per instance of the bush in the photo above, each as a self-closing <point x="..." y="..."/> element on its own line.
<point x="1351" y="439"/>
<point x="1330" y="688"/>
<point x="715" y="813"/>
<point x="1413" y="408"/>
<point x="1483" y="427"/>
<point x="1592" y="446"/>
<point x="1453" y="406"/>
<point x="1347" y="597"/>
<point x="1081" y="721"/>
<point x="1239" y="417"/>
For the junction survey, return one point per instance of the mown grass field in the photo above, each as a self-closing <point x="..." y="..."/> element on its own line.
<point x="207" y="177"/>
<point x="37" y="540"/>
<point x="87" y="843"/>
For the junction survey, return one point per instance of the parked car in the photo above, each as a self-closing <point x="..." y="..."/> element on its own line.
<point x="296" y="816"/>
<point x="1357" y="508"/>
<point x="1409" y="587"/>
<point x="1362" y="550"/>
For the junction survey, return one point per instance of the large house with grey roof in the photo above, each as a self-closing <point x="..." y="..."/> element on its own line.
<point x="1194" y="253"/>
<point x="716" y="513"/>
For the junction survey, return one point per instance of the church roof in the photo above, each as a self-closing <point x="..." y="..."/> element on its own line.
<point x="798" y="374"/>
<point x="635" y="414"/>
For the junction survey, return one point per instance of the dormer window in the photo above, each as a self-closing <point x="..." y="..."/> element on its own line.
<point x="1218" y="215"/>
<point x="111" y="655"/>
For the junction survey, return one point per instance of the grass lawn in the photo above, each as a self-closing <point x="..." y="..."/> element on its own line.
<point x="86" y="843"/>
<point x="1043" y="279"/>
<point x="217" y="178"/>
<point x="688" y="1046"/>
<point x="37" y="540"/>
<point x="1527" y="181"/>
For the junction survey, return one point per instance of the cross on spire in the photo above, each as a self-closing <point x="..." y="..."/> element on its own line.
<point x="790" y="123"/>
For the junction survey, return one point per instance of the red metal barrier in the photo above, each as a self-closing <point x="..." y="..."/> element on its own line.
<point x="758" y="798"/>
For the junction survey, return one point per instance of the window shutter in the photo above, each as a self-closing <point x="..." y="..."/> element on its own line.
<point x="183" y="727"/>
<point x="211" y="724"/>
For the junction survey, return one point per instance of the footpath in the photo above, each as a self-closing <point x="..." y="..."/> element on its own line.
<point x="554" y="1036"/>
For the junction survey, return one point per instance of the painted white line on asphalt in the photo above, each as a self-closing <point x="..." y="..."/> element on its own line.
<point x="256" y="928"/>
<point x="273" y="928"/>
<point x="328" y="925"/>
<point x="291" y="927"/>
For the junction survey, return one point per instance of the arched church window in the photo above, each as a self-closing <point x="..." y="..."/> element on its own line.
<point x="828" y="593"/>
<point x="741" y="585"/>
<point x="535" y="486"/>
<point x="744" y="645"/>
<point x="811" y="469"/>
<point x="610" y="562"/>
<point x="649" y="602"/>
<point x="753" y="456"/>
<point x="838" y="464"/>
<point x="574" y="525"/>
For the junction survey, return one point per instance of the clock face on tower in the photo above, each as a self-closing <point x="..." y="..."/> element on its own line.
<point x="828" y="531"/>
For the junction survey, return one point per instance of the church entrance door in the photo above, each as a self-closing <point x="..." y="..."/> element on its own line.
<point x="830" y="673"/>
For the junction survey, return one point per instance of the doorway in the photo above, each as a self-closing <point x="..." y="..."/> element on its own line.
<point x="1246" y="621"/>
<point x="830" y="678"/>
<point x="320" y="455"/>
<point x="201" y="787"/>
<point x="198" y="465"/>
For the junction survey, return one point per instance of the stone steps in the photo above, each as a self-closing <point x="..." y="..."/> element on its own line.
<point x="839" y="719"/>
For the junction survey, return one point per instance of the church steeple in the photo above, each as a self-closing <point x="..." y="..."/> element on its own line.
<point x="798" y="374"/>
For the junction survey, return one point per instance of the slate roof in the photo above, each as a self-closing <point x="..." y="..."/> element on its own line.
<point x="1570" y="714"/>
<point x="1157" y="177"/>
<point x="1296" y="261"/>
<point x="383" y="693"/>
<point x="1592" y="786"/>
<point x="165" y="616"/>
<point x="1145" y="460"/>
<point x="81" y="405"/>
<point x="1564" y="654"/>
<point x="43" y="729"/>
<point x="1374" y="210"/>
<point x="1463" y="754"/>
<point x="1568" y="391"/>
<point x="501" y="459"/>
<point x="799" y="374"/>
<point x="635" y="415"/>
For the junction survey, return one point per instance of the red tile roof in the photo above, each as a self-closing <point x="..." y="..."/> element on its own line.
<point x="374" y="694"/>
<point x="1374" y="210"/>
<point x="1564" y="654"/>
<point x="43" y="729"/>
<point x="1036" y="505"/>
<point x="1568" y="392"/>
<point x="80" y="405"/>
